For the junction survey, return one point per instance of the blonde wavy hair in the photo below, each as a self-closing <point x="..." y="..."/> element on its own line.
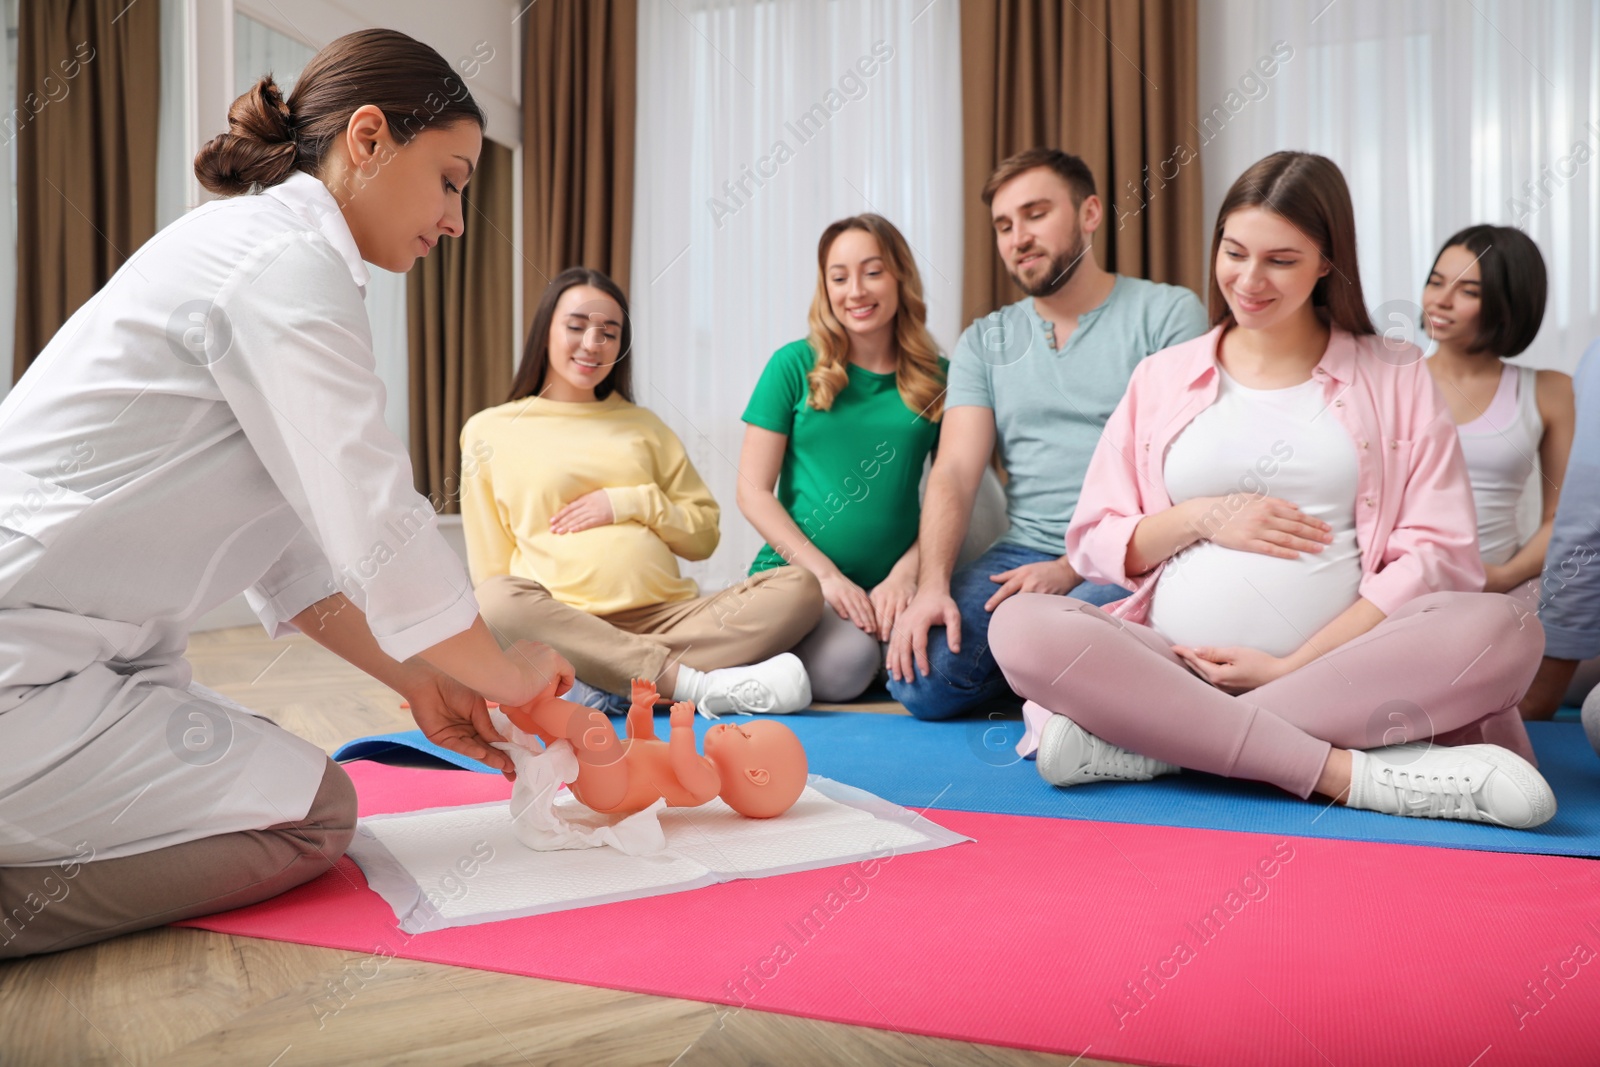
<point x="916" y="371"/>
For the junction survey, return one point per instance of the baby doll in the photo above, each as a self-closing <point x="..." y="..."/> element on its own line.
<point x="758" y="768"/>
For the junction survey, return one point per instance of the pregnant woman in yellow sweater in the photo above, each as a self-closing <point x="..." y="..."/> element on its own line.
<point x="577" y="504"/>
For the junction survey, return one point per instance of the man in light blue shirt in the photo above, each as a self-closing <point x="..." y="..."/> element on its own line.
<point x="1569" y="592"/>
<point x="1041" y="376"/>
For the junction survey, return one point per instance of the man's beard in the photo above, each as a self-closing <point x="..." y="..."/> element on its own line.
<point x="1062" y="268"/>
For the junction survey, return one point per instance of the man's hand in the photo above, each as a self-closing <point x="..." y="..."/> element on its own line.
<point x="586" y="512"/>
<point x="1047" y="576"/>
<point x="909" y="642"/>
<point x="1235" y="669"/>
<point x="454" y="717"/>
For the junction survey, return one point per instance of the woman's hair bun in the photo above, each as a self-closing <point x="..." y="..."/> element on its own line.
<point x="258" y="149"/>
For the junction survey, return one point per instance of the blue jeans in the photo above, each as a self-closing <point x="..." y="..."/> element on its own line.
<point x="959" y="682"/>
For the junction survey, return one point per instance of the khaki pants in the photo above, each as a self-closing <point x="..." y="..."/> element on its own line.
<point x="47" y="909"/>
<point x="763" y="615"/>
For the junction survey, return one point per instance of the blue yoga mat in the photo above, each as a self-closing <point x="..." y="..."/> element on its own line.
<point x="971" y="765"/>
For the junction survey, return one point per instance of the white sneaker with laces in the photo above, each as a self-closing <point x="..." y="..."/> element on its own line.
<point x="1071" y="755"/>
<point x="1474" y="783"/>
<point x="774" y="686"/>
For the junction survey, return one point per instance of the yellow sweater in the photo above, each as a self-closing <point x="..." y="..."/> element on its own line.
<point x="524" y="461"/>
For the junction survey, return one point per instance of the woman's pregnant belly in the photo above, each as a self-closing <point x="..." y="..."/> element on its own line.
<point x="1210" y="595"/>
<point x="606" y="569"/>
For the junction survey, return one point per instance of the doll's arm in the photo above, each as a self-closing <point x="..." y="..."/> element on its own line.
<point x="697" y="774"/>
<point x="642" y="712"/>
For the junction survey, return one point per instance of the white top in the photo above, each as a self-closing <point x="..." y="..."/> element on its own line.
<point x="1501" y="447"/>
<point x="209" y="423"/>
<point x="1252" y="442"/>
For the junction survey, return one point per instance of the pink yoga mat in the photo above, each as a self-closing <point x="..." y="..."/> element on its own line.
<point x="1144" y="944"/>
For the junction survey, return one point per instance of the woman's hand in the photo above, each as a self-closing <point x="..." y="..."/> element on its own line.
<point x="1234" y="669"/>
<point x="540" y="665"/>
<point x="585" y="513"/>
<point x="889" y="598"/>
<point x="848" y="600"/>
<point x="454" y="717"/>
<point x="1271" y="527"/>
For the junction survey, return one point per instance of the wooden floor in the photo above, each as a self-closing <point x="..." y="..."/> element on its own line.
<point x="174" y="996"/>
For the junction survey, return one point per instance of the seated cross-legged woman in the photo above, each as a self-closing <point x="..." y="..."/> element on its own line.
<point x="577" y="503"/>
<point x="1328" y="638"/>
<point x="839" y="427"/>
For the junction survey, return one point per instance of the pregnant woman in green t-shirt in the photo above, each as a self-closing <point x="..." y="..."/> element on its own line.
<point x="837" y="432"/>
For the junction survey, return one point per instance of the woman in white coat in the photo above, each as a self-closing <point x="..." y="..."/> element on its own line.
<point x="210" y="423"/>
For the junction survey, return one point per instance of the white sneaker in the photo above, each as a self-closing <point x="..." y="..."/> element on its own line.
<point x="1475" y="783"/>
<point x="775" y="686"/>
<point x="1071" y="755"/>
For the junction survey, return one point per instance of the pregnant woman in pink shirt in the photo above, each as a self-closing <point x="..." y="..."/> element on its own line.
<point x="1287" y="499"/>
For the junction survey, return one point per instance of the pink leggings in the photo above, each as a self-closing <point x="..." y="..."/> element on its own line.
<point x="1446" y="666"/>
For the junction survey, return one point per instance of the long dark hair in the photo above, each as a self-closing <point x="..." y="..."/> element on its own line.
<point x="536" y="353"/>
<point x="269" y="138"/>
<point x="1308" y="192"/>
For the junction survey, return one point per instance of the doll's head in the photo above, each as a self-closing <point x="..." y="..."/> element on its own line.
<point x="762" y="764"/>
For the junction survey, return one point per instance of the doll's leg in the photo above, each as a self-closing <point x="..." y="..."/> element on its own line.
<point x="602" y="766"/>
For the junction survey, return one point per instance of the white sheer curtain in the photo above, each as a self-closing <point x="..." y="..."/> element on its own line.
<point x="1441" y="113"/>
<point x="738" y="173"/>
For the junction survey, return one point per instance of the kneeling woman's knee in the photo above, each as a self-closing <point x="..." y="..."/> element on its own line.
<point x="331" y="822"/>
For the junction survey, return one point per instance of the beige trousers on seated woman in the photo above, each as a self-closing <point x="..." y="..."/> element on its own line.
<point x="62" y="906"/>
<point x="763" y="615"/>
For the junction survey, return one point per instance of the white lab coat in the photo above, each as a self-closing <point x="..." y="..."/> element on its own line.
<point x="209" y="423"/>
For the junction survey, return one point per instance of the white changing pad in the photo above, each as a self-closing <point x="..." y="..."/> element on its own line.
<point x="459" y="866"/>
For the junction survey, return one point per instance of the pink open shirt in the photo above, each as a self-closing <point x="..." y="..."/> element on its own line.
<point x="1415" y="521"/>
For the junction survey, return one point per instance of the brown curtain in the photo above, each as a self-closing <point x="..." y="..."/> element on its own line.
<point x="87" y="72"/>
<point x="459" y="304"/>
<point x="1111" y="81"/>
<point x="577" y="139"/>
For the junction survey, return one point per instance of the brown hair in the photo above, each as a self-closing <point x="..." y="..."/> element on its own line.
<point x="916" y="367"/>
<point x="1308" y="192"/>
<point x="1074" y="171"/>
<point x="536" y="354"/>
<point x="269" y="138"/>
<point x="1511" y="287"/>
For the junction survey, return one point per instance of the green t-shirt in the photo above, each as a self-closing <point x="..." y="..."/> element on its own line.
<point x="850" y="474"/>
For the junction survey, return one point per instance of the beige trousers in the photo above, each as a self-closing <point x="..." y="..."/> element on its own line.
<point x="763" y="615"/>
